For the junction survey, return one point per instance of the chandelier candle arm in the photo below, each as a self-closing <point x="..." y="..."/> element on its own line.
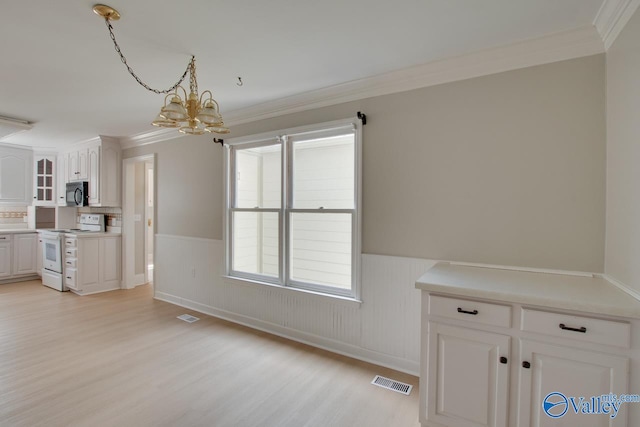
<point x="197" y="115"/>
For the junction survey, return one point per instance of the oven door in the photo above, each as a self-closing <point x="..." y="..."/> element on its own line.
<point x="52" y="253"/>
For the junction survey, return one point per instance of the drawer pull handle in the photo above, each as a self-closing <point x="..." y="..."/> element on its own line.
<point x="526" y="365"/>
<point x="473" y="313"/>
<point x="68" y="277"/>
<point x="503" y="360"/>
<point x="581" y="329"/>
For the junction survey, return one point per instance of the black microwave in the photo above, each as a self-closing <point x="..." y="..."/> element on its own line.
<point x="78" y="193"/>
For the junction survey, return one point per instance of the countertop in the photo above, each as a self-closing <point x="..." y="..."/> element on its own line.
<point x="71" y="233"/>
<point x="562" y="291"/>
<point x="83" y="234"/>
<point x="17" y="231"/>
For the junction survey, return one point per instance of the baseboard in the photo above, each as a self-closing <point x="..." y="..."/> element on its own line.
<point x="349" y="350"/>
<point x="19" y="279"/>
<point x="623" y="287"/>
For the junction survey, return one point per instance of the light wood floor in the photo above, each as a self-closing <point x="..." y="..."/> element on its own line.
<point x="123" y="359"/>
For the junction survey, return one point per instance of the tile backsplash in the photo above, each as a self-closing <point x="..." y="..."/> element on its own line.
<point x="10" y="215"/>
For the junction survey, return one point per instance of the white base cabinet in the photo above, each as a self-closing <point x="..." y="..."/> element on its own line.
<point x="5" y="256"/>
<point x="25" y="251"/>
<point x="478" y="371"/>
<point x="18" y="256"/>
<point x="471" y="381"/>
<point x="92" y="263"/>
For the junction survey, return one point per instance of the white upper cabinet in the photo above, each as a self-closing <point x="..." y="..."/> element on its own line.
<point x="16" y="165"/>
<point x="104" y="173"/>
<point x="78" y="169"/>
<point x="44" y="179"/>
<point x="99" y="164"/>
<point x="62" y="177"/>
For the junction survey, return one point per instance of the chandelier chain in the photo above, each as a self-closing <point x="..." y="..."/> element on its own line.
<point x="191" y="67"/>
<point x="193" y="82"/>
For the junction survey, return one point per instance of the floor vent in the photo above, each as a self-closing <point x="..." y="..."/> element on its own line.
<point x="392" y="385"/>
<point x="188" y="318"/>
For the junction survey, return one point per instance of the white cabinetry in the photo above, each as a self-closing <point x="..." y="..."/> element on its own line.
<point x="471" y="380"/>
<point x="44" y="185"/>
<point x="16" y="165"/>
<point x="25" y="250"/>
<point x="5" y="256"/>
<point x="493" y="361"/>
<point x="104" y="173"/>
<point x="39" y="256"/>
<point x="62" y="177"/>
<point x="92" y="263"/>
<point x="99" y="164"/>
<point x="574" y="372"/>
<point x="77" y="165"/>
<point x="18" y="256"/>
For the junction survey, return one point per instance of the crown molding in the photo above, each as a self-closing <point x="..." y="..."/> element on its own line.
<point x="151" y="137"/>
<point x="579" y="42"/>
<point x="612" y="17"/>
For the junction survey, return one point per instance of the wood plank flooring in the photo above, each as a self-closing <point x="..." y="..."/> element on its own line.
<point x="122" y="358"/>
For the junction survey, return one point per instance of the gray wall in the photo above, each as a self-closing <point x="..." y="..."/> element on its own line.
<point x="623" y="156"/>
<point x="502" y="169"/>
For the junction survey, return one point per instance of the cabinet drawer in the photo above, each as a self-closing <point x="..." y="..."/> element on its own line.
<point x="70" y="277"/>
<point x="71" y="243"/>
<point x="580" y="328"/>
<point x="70" y="252"/>
<point x="71" y="262"/>
<point x="470" y="310"/>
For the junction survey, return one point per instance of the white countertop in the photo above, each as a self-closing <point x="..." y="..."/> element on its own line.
<point x="563" y="291"/>
<point x="83" y="234"/>
<point x="17" y="231"/>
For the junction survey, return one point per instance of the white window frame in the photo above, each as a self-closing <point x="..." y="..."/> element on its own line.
<point x="286" y="209"/>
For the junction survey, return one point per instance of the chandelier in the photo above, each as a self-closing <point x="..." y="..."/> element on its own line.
<point x="191" y="114"/>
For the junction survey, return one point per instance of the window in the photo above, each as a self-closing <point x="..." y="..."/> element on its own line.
<point x="293" y="208"/>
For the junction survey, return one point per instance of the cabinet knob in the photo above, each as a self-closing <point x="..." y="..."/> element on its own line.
<point x="503" y="360"/>
<point x="526" y="364"/>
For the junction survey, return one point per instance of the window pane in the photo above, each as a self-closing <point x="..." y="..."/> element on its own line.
<point x="258" y="172"/>
<point x="255" y="242"/>
<point x="321" y="249"/>
<point x="323" y="173"/>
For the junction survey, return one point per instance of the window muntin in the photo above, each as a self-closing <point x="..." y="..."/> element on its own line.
<point x="311" y="240"/>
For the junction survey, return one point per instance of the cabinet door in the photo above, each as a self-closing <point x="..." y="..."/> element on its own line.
<point x="5" y="256"/>
<point x="88" y="272"/>
<point x="24" y="253"/>
<point x="44" y="180"/>
<point x="39" y="256"/>
<point x="62" y="176"/>
<point x="94" y="175"/>
<point x="111" y="260"/>
<point x="570" y="373"/>
<point x="83" y="165"/>
<point x="15" y="176"/>
<point x="72" y="166"/>
<point x="467" y="383"/>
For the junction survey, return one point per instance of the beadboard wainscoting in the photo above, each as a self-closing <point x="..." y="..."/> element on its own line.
<point x="384" y="329"/>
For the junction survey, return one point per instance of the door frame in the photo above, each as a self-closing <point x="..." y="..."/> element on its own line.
<point x="130" y="278"/>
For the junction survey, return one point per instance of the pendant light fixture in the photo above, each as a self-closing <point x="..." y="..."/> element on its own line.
<point x="192" y="114"/>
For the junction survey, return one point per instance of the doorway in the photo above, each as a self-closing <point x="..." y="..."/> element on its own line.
<point x="138" y="220"/>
